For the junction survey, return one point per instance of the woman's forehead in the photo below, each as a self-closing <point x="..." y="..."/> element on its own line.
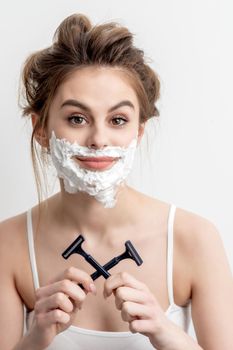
<point x="106" y="85"/>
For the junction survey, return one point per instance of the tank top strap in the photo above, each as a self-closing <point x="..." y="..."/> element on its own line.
<point x="170" y="246"/>
<point x="31" y="248"/>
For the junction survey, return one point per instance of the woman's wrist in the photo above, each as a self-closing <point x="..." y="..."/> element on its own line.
<point x="190" y="343"/>
<point x="27" y="343"/>
<point x="172" y="337"/>
<point x="183" y="344"/>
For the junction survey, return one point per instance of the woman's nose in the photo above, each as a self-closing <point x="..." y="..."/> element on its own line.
<point x="97" y="138"/>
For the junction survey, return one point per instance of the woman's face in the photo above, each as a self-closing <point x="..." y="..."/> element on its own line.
<point x="96" y="107"/>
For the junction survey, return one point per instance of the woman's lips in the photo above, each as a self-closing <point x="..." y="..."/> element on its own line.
<point x="98" y="163"/>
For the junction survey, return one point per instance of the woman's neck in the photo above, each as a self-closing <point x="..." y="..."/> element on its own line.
<point x="86" y="215"/>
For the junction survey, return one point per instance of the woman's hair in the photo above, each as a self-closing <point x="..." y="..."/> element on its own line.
<point x="78" y="44"/>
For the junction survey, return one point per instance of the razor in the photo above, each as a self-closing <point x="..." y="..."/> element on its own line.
<point x="76" y="248"/>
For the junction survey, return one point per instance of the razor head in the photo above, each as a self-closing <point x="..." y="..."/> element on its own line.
<point x="133" y="254"/>
<point x="73" y="247"/>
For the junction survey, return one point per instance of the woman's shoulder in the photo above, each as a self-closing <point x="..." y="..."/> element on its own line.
<point x="187" y="224"/>
<point x="16" y="226"/>
<point x="12" y="238"/>
<point x="15" y="271"/>
<point x="193" y="231"/>
<point x="12" y="226"/>
<point x="185" y="220"/>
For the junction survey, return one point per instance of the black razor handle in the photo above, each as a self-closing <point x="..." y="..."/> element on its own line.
<point x="75" y="247"/>
<point x="133" y="253"/>
<point x="130" y="253"/>
<point x="107" y="266"/>
<point x="99" y="268"/>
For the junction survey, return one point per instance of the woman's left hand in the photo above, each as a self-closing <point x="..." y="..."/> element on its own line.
<point x="142" y="311"/>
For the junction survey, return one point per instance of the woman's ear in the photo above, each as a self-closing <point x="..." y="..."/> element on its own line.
<point x="141" y="130"/>
<point x="40" y="133"/>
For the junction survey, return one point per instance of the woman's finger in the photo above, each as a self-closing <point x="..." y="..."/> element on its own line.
<point x="71" y="289"/>
<point x="56" y="301"/>
<point x="68" y="285"/>
<point x="122" y="279"/>
<point x="132" y="311"/>
<point x="78" y="276"/>
<point x="141" y="326"/>
<point x="123" y="294"/>
<point x="45" y="320"/>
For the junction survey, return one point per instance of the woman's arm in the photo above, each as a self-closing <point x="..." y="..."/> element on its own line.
<point x="212" y="286"/>
<point x="55" y="306"/>
<point x="200" y="248"/>
<point x="11" y="306"/>
<point x="141" y="310"/>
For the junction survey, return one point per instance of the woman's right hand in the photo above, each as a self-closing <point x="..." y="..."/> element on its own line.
<point x="56" y="305"/>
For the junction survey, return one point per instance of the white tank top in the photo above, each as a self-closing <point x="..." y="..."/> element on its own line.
<point x="76" y="338"/>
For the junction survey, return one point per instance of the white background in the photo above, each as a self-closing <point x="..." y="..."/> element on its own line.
<point x="186" y="158"/>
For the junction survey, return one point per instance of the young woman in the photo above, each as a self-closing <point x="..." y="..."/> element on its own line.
<point x="89" y="97"/>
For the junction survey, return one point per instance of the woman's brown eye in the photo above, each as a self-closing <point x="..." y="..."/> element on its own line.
<point x="119" y="121"/>
<point x="76" y="120"/>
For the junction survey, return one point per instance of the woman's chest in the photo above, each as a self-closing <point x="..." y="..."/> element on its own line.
<point x="97" y="312"/>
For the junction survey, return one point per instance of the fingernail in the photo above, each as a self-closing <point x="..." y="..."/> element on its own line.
<point x="93" y="288"/>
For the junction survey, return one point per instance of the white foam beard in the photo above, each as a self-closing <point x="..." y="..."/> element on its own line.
<point x="100" y="184"/>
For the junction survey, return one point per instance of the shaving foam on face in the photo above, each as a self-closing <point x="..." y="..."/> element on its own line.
<point x="100" y="184"/>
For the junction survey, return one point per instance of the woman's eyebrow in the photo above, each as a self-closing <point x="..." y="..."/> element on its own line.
<point x="81" y="105"/>
<point x="121" y="104"/>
